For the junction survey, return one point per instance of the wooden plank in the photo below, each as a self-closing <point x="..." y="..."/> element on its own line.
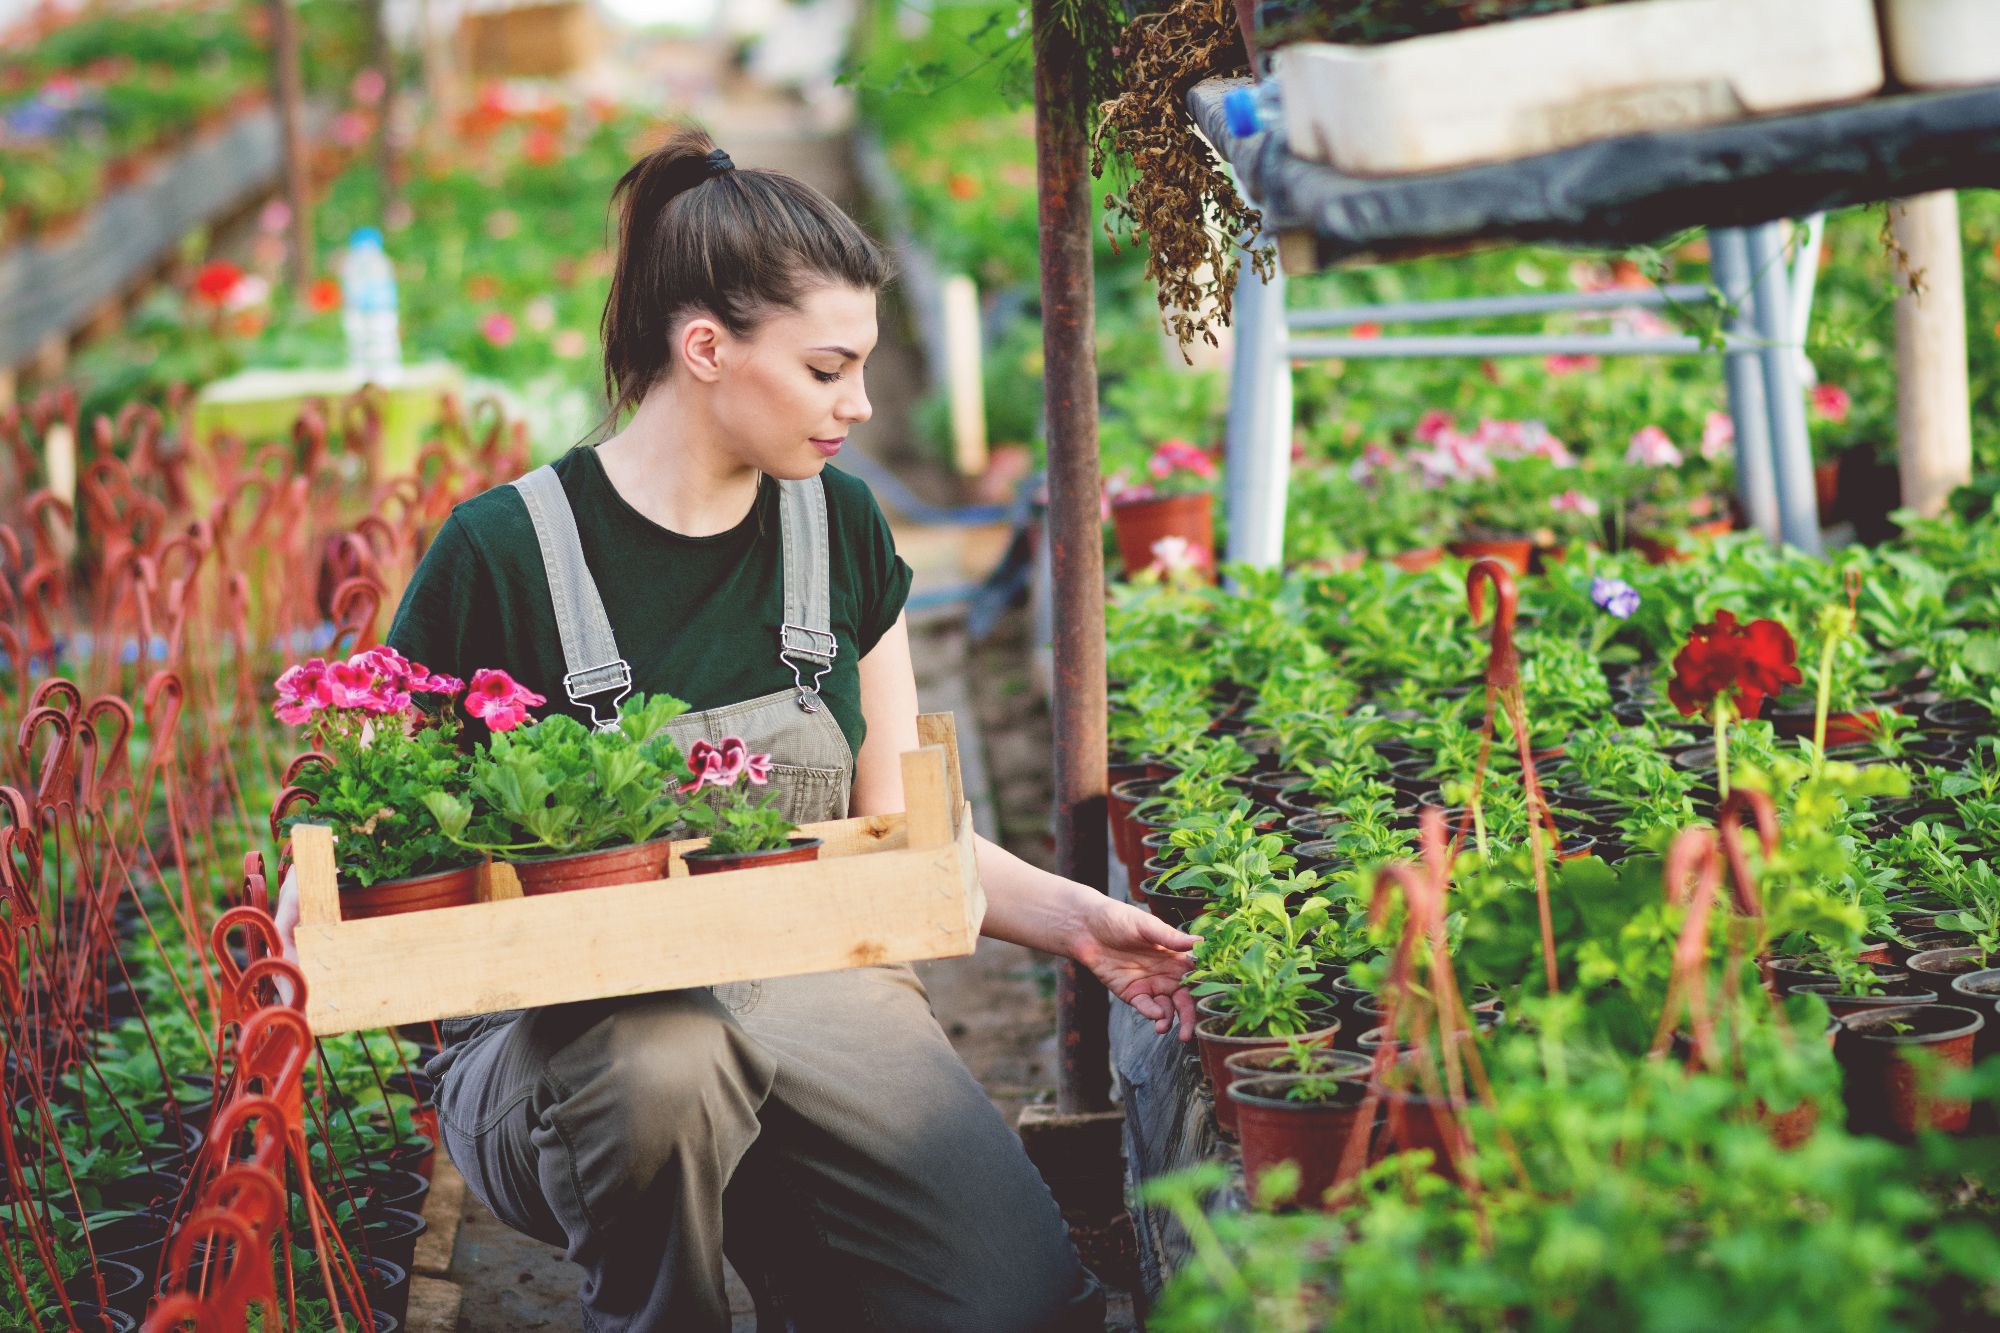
<point x="434" y="1306"/>
<point x="444" y="1209"/>
<point x="927" y="802"/>
<point x="889" y="906"/>
<point x="498" y="881"/>
<point x="942" y="729"/>
<point x="319" y="883"/>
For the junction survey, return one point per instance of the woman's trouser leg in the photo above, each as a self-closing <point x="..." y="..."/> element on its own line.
<point x="867" y="1178"/>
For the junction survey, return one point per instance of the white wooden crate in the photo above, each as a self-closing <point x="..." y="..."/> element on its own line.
<point x="886" y="888"/>
<point x="1511" y="90"/>
<point x="1943" y="43"/>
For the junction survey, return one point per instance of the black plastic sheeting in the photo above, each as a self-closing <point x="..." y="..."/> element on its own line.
<point x="1630" y="190"/>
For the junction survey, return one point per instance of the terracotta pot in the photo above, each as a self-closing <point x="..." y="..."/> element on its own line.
<point x="1124" y="798"/>
<point x="1938" y="968"/>
<point x="1514" y="553"/>
<point x="1923" y="941"/>
<point x="714" y="863"/>
<point x="1781" y="974"/>
<point x="1216" y="1045"/>
<point x="1788" y="1129"/>
<point x="1114" y="775"/>
<point x="1264" y="1062"/>
<point x="1848" y="728"/>
<point x="1141" y="523"/>
<point x="634" y="863"/>
<point x="447" y="888"/>
<point x="1894" y="996"/>
<point x="1413" y="1124"/>
<point x="1885" y="1093"/>
<point x="1416" y="562"/>
<point x="1826" y="486"/>
<point x="1313" y="1135"/>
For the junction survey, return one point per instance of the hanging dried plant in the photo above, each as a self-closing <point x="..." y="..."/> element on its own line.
<point x="1179" y="198"/>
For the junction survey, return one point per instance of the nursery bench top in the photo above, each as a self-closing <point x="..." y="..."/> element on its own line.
<point x="1629" y="190"/>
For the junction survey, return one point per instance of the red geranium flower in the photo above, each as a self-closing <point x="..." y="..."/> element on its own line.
<point x="1724" y="656"/>
<point x="216" y="280"/>
<point x="323" y="297"/>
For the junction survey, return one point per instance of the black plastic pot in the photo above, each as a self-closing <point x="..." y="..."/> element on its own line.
<point x="1923" y="941"/>
<point x="1980" y="992"/>
<point x="1938" y="968"/>
<point x="124" y="1287"/>
<point x="91" y="1318"/>
<point x="1885" y="1093"/>
<point x="1176" y="909"/>
<point x="387" y="1233"/>
<point x="136" y="1240"/>
<point x="393" y="1189"/>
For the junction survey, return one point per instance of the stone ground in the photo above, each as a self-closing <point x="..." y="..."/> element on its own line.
<point x="997" y="1005"/>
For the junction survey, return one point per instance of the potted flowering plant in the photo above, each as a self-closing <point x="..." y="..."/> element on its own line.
<point x="743" y="827"/>
<point x="378" y="761"/>
<point x="1175" y="504"/>
<point x="1725" y="672"/>
<point x="572" y="808"/>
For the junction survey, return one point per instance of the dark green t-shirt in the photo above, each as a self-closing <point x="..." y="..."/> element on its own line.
<point x="697" y="617"/>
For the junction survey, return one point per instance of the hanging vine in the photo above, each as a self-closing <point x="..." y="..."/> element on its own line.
<point x="1179" y="197"/>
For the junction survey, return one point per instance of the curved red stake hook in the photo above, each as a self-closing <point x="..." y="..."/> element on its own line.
<point x="1729" y="820"/>
<point x="43" y="589"/>
<point x="53" y="781"/>
<point x="164" y="697"/>
<point x="310" y="759"/>
<point x="269" y="971"/>
<point x="40" y="506"/>
<point x="114" y="772"/>
<point x="1692" y="855"/>
<point x="282" y="806"/>
<point x="274" y="1128"/>
<point x="274" y="1047"/>
<point x="355" y="604"/>
<point x="260" y="940"/>
<point x="1503" y="665"/>
<point x="249" y="1192"/>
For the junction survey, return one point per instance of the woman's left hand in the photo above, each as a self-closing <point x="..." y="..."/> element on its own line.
<point x="1140" y="959"/>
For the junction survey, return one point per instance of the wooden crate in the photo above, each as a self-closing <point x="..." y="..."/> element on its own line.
<point x="887" y="888"/>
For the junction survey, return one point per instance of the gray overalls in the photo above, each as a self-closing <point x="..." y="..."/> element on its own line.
<point x="819" y="1129"/>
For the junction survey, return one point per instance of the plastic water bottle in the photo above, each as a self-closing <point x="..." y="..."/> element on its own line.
<point x="368" y="294"/>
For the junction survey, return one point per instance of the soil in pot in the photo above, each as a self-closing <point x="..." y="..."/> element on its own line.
<point x="1958" y="715"/>
<point x="1176" y="909"/>
<point x="711" y="863"/>
<point x="1216" y="1044"/>
<point x="389" y="1233"/>
<point x="1893" y="995"/>
<point x="134" y="1239"/>
<point x="1886" y="1093"/>
<point x="1980" y="992"/>
<point x="447" y="888"/>
<point x="1781" y="974"/>
<point x="1923" y="941"/>
<point x="1312" y="1135"/>
<point x="1141" y="523"/>
<point x="1938" y="968"/>
<point x="1271" y="1061"/>
<point x="634" y="863"/>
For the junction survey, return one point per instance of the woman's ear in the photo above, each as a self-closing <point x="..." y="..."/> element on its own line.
<point x="700" y="346"/>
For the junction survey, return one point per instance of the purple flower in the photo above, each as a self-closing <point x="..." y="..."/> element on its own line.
<point x="1615" y="596"/>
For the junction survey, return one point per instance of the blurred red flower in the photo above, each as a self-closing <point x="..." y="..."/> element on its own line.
<point x="323" y="297"/>
<point x="1724" y="656"/>
<point x="1831" y="402"/>
<point x="216" y="280"/>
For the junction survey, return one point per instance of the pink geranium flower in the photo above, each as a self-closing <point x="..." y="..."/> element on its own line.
<point x="496" y="699"/>
<point x="1573" y="501"/>
<point x="1434" y="425"/>
<point x="1831" y="402"/>
<point x="720" y="765"/>
<point x="1652" y="448"/>
<point x="301" y="692"/>
<point x="1718" y="435"/>
<point x="1569" y="365"/>
<point x="350" y="684"/>
<point x="498" y="328"/>
<point x="1172" y="454"/>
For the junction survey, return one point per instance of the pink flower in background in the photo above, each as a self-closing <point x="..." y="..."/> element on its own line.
<point x="497" y="700"/>
<point x="350" y="129"/>
<point x="368" y="86"/>
<point x="1831" y="402"/>
<point x="1573" y="501"/>
<point x="498" y="328"/>
<point x="274" y="217"/>
<point x="1718" y="436"/>
<point x="1373" y="459"/>
<point x="1177" y="555"/>
<point x="1456" y="458"/>
<point x="1652" y="448"/>
<point x="1434" y="425"/>
<point x="1172" y="454"/>
<point x="1639" y="322"/>
<point x="1506" y="438"/>
<point x="1538" y="443"/>
<point x="1367" y="330"/>
<point x="1570" y="365"/>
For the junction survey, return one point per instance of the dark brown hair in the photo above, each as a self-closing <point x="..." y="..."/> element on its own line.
<point x="698" y="235"/>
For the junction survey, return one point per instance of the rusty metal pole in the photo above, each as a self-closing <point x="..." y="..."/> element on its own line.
<point x="292" y="135"/>
<point x="1076" y="541"/>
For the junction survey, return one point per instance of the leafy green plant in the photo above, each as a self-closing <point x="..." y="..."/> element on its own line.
<point x="557" y="788"/>
<point x="735" y="818"/>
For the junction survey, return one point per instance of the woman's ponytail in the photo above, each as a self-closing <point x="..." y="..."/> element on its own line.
<point x="697" y="234"/>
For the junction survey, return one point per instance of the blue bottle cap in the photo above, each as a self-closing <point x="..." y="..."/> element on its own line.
<point x="366" y="236"/>
<point x="1240" y="106"/>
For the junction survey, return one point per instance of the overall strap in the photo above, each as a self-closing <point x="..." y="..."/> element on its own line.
<point x="590" y="652"/>
<point x="805" y="638"/>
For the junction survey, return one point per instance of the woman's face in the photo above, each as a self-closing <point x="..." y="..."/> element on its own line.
<point x="785" y="396"/>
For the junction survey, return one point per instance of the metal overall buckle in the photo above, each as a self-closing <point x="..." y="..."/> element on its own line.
<point x="590" y="682"/>
<point x="806" y="642"/>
